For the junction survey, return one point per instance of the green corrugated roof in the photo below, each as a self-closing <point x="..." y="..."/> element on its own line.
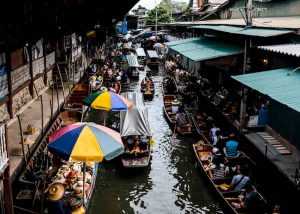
<point x="255" y="32"/>
<point x="282" y="85"/>
<point x="205" y="49"/>
<point x="180" y="41"/>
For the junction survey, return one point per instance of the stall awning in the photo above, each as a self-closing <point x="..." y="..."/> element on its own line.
<point x="205" y="49"/>
<point x="132" y="60"/>
<point x="282" y="85"/>
<point x="152" y="54"/>
<point x="180" y="41"/>
<point x="285" y="49"/>
<point x="252" y="32"/>
<point x="140" y="52"/>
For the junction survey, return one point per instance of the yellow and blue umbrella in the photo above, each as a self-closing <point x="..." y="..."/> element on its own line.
<point x="108" y="101"/>
<point x="86" y="142"/>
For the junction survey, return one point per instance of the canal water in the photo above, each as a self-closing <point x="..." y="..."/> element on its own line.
<point x="172" y="183"/>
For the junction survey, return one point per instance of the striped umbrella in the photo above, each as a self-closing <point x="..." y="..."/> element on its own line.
<point x="86" y="142"/>
<point x="107" y="101"/>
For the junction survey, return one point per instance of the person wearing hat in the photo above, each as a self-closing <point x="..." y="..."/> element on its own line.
<point x="175" y="106"/>
<point x="55" y="203"/>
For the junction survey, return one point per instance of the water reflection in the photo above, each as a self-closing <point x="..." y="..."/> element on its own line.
<point x="172" y="184"/>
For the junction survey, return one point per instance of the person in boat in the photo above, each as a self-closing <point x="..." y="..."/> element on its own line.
<point x="136" y="145"/>
<point x="175" y="106"/>
<point x="130" y="143"/>
<point x="181" y="119"/>
<point x="231" y="147"/>
<point x="144" y="143"/>
<point x="212" y="133"/>
<point x="55" y="202"/>
<point x="249" y="201"/>
<point x="240" y="180"/>
<point x="218" y="158"/>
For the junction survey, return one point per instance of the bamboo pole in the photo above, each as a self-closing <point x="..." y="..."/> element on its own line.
<point x="8" y="195"/>
<point x="57" y="95"/>
<point x="62" y="82"/>
<point x="22" y="138"/>
<point x="52" y="98"/>
<point x="42" y="111"/>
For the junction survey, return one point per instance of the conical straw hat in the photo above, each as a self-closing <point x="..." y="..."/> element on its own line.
<point x="56" y="191"/>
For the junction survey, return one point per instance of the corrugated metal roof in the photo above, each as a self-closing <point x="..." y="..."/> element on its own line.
<point x="180" y="41"/>
<point x="205" y="49"/>
<point x="152" y="54"/>
<point x="282" y="85"/>
<point x="140" y="52"/>
<point x="255" y="32"/>
<point x="132" y="60"/>
<point x="287" y="49"/>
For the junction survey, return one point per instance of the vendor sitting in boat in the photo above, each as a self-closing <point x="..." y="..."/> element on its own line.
<point x="137" y="144"/>
<point x="249" y="202"/>
<point x="182" y="121"/>
<point x="175" y="106"/>
<point x="55" y="202"/>
<point x="231" y="147"/>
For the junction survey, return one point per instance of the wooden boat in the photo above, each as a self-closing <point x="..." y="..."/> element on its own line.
<point x="147" y="88"/>
<point x="75" y="98"/>
<point x="186" y="127"/>
<point x="136" y="133"/>
<point x="153" y="60"/>
<point x="136" y="159"/>
<point x="38" y="175"/>
<point x="169" y="86"/>
<point x="203" y="153"/>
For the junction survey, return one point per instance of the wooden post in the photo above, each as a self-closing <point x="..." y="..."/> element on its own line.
<point x="9" y="84"/>
<point x="243" y="106"/>
<point x="22" y="138"/>
<point x="52" y="99"/>
<point x="45" y="62"/>
<point x="57" y="95"/>
<point x="31" y="89"/>
<point x="8" y="198"/>
<point x="42" y="111"/>
<point x="62" y="82"/>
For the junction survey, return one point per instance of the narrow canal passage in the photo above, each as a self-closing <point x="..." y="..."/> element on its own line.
<point x="172" y="184"/>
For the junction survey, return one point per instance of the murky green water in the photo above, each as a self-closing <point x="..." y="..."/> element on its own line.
<point x="172" y="184"/>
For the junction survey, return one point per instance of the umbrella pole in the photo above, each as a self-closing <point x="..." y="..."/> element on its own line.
<point x="83" y="189"/>
<point x="104" y="122"/>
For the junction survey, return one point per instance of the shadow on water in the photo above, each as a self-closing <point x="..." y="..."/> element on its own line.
<point x="171" y="184"/>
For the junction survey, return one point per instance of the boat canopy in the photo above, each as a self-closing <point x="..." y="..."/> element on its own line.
<point x="135" y="121"/>
<point x="152" y="54"/>
<point x="136" y="98"/>
<point x="132" y="60"/>
<point x="140" y="52"/>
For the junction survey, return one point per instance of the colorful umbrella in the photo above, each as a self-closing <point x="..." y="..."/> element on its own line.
<point x="108" y="101"/>
<point x="86" y="142"/>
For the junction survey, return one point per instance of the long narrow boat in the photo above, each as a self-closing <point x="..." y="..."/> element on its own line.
<point x="169" y="86"/>
<point x="153" y="60"/>
<point x="203" y="153"/>
<point x="136" y="133"/>
<point x="74" y="99"/>
<point x="173" y="118"/>
<point x="147" y="88"/>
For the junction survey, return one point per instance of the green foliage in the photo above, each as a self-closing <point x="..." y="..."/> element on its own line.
<point x="164" y="11"/>
<point x="163" y="16"/>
